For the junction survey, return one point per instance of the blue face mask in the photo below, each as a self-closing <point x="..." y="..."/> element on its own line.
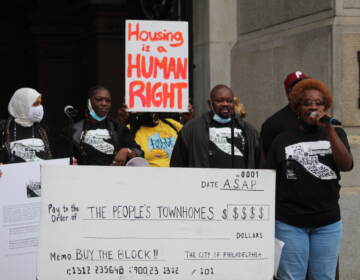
<point x="219" y="119"/>
<point x="93" y="114"/>
<point x="96" y="117"/>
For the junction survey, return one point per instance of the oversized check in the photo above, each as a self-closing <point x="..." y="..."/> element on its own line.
<point x="156" y="223"/>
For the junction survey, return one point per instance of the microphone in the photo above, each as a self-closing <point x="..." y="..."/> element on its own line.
<point x="333" y="121"/>
<point x="327" y="119"/>
<point x="70" y="111"/>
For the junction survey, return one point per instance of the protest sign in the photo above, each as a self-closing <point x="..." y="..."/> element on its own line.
<point x="157" y="66"/>
<point x="20" y="192"/>
<point x="156" y="223"/>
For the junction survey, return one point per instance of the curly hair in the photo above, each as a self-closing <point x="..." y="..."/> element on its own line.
<point x="297" y="93"/>
<point x="239" y="108"/>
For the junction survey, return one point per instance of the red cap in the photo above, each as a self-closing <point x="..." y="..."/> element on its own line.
<point x="292" y="79"/>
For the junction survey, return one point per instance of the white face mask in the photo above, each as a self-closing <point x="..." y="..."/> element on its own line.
<point x="36" y="113"/>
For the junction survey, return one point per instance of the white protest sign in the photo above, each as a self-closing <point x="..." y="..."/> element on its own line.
<point x="157" y="66"/>
<point x="20" y="191"/>
<point x="156" y="223"/>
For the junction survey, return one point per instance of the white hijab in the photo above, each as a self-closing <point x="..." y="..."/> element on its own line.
<point x="20" y="104"/>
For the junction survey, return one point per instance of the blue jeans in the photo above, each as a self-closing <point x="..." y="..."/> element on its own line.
<point x="316" y="248"/>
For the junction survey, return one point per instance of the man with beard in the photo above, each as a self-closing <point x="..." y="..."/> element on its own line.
<point x="206" y="141"/>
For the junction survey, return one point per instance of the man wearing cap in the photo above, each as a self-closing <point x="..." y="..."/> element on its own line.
<point x="284" y="119"/>
<point x="206" y="141"/>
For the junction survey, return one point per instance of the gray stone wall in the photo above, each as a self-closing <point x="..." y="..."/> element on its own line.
<point x="260" y="65"/>
<point x="256" y="15"/>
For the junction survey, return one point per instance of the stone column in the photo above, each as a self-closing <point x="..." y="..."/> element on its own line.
<point x="346" y="45"/>
<point x="214" y="24"/>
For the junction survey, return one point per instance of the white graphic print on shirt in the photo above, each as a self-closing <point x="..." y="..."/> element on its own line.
<point x="307" y="154"/>
<point x="96" y="138"/>
<point x="221" y="137"/>
<point x="26" y="148"/>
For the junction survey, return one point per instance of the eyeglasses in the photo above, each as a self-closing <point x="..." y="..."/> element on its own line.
<point x="312" y="103"/>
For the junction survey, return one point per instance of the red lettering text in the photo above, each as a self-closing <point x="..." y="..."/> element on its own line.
<point x="152" y="66"/>
<point x="176" y="39"/>
<point x="156" y="94"/>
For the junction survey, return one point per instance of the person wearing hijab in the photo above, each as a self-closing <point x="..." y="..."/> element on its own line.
<point x="22" y="137"/>
<point x="100" y="140"/>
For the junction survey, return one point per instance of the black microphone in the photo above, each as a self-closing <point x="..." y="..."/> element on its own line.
<point x="333" y="121"/>
<point x="70" y="111"/>
<point x="327" y="119"/>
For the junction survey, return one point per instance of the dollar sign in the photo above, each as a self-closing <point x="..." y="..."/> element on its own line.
<point x="243" y="213"/>
<point x="252" y="212"/>
<point x="236" y="214"/>
<point x="225" y="214"/>
<point x="261" y="215"/>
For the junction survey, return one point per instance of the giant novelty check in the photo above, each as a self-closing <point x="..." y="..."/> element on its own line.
<point x="156" y="223"/>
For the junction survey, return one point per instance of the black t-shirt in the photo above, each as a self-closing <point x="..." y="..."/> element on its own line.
<point x="283" y="120"/>
<point x="26" y="144"/>
<point x="96" y="143"/>
<point x="220" y="146"/>
<point x="307" y="187"/>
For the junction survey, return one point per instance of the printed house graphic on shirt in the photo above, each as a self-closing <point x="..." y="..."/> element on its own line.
<point x="221" y="137"/>
<point x="27" y="148"/>
<point x="96" y="138"/>
<point x="307" y="154"/>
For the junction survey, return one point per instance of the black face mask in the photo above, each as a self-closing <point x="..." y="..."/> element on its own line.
<point x="148" y="119"/>
<point x="311" y="128"/>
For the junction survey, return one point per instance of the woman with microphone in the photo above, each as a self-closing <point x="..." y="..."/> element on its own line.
<point x="98" y="139"/>
<point x="308" y="161"/>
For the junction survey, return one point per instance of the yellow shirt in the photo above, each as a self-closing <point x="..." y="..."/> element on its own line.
<point x="158" y="142"/>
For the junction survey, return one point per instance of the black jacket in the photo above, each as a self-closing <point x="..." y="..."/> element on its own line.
<point x="6" y="137"/>
<point x="119" y="134"/>
<point x="192" y="146"/>
<point x="283" y="120"/>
